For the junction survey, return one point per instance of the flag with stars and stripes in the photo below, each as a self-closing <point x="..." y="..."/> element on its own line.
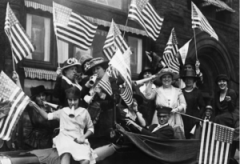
<point x="119" y="63"/>
<point x="199" y="21"/>
<point x="142" y="12"/>
<point x="20" y="43"/>
<point x="19" y="100"/>
<point x="105" y="84"/>
<point x="215" y="142"/>
<point x="73" y="28"/>
<point x="170" y="53"/>
<point x="114" y="41"/>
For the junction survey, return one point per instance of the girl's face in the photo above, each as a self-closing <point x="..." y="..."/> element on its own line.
<point x="189" y="81"/>
<point x="147" y="74"/>
<point x="222" y="84"/>
<point x="167" y="80"/>
<point x="73" y="102"/>
<point x="40" y="98"/>
<point x="70" y="72"/>
<point x="99" y="71"/>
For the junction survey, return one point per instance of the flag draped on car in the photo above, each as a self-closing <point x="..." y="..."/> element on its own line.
<point x="142" y="12"/>
<point x="72" y="27"/>
<point x="19" y="100"/>
<point x="199" y="21"/>
<point x="20" y="43"/>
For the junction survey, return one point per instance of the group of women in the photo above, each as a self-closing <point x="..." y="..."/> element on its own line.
<point x="93" y="108"/>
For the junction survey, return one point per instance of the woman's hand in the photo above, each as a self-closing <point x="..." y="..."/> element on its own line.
<point x="174" y="110"/>
<point x="130" y="122"/>
<point x="80" y="140"/>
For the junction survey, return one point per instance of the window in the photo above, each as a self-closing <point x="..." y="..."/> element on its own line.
<point x="97" y="46"/>
<point x="39" y="30"/>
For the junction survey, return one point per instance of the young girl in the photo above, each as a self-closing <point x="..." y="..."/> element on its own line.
<point x="71" y="140"/>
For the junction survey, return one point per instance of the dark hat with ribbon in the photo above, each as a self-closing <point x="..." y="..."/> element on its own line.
<point x="37" y="90"/>
<point x="70" y="62"/>
<point x="73" y="93"/>
<point x="163" y="109"/>
<point x="98" y="61"/>
<point x="83" y="60"/>
<point x="222" y="77"/>
<point x="145" y="69"/>
<point x="189" y="74"/>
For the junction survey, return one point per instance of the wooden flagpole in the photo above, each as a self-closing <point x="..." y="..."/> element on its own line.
<point x="14" y="69"/>
<point x="195" y="44"/>
<point x="57" y="51"/>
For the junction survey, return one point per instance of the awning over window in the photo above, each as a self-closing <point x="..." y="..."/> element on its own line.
<point x="42" y="74"/>
<point x="101" y="22"/>
<point x="218" y="3"/>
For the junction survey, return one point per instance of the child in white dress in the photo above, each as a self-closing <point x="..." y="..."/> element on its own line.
<point x="71" y="140"/>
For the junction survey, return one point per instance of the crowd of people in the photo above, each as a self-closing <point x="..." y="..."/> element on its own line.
<point x="87" y="111"/>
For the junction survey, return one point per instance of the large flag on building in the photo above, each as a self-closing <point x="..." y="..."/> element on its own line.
<point x="142" y="12"/>
<point x="11" y="92"/>
<point x="19" y="41"/>
<point x="215" y="142"/>
<point x="73" y="28"/>
<point x="170" y="53"/>
<point x="114" y="41"/>
<point x="199" y="21"/>
<point x="119" y="63"/>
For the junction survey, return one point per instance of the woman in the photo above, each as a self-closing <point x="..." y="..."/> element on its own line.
<point x="100" y="103"/>
<point x="194" y="99"/>
<point x="37" y="132"/>
<point x="74" y="131"/>
<point x="225" y="102"/>
<point x="131" y="114"/>
<point x="66" y="79"/>
<point x="147" y="107"/>
<point x="168" y="96"/>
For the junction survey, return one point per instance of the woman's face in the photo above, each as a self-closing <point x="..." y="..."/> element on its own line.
<point x="40" y="98"/>
<point x="70" y="72"/>
<point x="189" y="81"/>
<point x="222" y="84"/>
<point x="99" y="71"/>
<point x="188" y="67"/>
<point x="73" y="102"/>
<point x="167" y="80"/>
<point x="147" y="74"/>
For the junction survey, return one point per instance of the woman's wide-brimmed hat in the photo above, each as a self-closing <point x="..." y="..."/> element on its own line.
<point x="37" y="90"/>
<point x="145" y="69"/>
<point x="168" y="71"/>
<point x="189" y="74"/>
<point x="222" y="77"/>
<point x="83" y="60"/>
<point x="98" y="61"/>
<point x="70" y="62"/>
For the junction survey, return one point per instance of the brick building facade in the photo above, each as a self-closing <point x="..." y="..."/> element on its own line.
<point x="215" y="56"/>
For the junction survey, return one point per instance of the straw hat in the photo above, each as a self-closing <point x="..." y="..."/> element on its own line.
<point x="98" y="61"/>
<point x="69" y="63"/>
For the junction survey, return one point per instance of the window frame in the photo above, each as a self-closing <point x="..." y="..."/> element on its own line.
<point x="52" y="64"/>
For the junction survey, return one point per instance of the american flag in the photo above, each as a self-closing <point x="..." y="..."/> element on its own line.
<point x="105" y="84"/>
<point x="20" y="42"/>
<point x="114" y="41"/>
<point x="10" y="91"/>
<point x="73" y="28"/>
<point x="199" y="21"/>
<point x="170" y="53"/>
<point x="119" y="63"/>
<point x="215" y="142"/>
<point x="143" y="12"/>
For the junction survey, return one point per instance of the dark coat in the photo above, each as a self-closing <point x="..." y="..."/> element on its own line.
<point x="163" y="133"/>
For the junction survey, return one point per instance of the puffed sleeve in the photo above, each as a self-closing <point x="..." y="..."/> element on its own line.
<point x="182" y="102"/>
<point x="88" y="122"/>
<point x="54" y="115"/>
<point x="150" y="93"/>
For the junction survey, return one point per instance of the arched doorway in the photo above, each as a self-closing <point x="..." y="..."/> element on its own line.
<point x="215" y="59"/>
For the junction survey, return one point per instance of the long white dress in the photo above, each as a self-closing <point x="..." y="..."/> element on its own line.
<point x="171" y="97"/>
<point x="71" y="128"/>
